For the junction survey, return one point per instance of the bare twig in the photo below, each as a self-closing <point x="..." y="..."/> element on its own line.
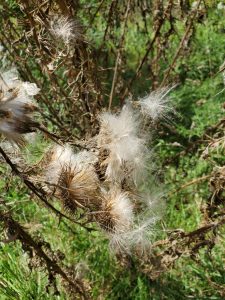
<point x="119" y="54"/>
<point x="171" y="67"/>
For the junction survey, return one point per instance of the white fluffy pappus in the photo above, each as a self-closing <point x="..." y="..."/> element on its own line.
<point x="63" y="156"/>
<point x="59" y="156"/>
<point x="117" y="211"/>
<point x="119" y="135"/>
<point x="65" y="29"/>
<point x="30" y="89"/>
<point x="55" y="160"/>
<point x="156" y="105"/>
<point x="154" y="202"/>
<point x="10" y="80"/>
<point x="138" y="237"/>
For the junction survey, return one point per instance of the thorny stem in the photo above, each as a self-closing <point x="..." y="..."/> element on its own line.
<point x="191" y="234"/>
<point x="206" y="228"/>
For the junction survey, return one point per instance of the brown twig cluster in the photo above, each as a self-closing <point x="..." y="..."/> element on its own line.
<point x="50" y="37"/>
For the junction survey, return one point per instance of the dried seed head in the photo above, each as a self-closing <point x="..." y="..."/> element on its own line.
<point x="16" y="107"/>
<point x="138" y="236"/>
<point x="66" y="29"/>
<point x="72" y="178"/>
<point x="116" y="212"/>
<point x="78" y="188"/>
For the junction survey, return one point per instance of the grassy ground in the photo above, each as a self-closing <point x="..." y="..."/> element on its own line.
<point x="199" y="106"/>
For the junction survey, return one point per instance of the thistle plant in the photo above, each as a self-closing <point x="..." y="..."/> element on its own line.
<point x="102" y="183"/>
<point x="96" y="170"/>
